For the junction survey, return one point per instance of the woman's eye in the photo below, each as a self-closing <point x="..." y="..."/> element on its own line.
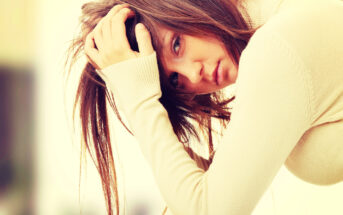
<point x="176" y="44"/>
<point x="174" y="79"/>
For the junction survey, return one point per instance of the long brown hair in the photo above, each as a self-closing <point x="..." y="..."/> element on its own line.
<point x="216" y="18"/>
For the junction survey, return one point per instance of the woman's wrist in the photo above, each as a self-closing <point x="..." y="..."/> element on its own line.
<point x="133" y="81"/>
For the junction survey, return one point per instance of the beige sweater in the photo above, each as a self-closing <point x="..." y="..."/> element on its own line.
<point x="290" y="79"/>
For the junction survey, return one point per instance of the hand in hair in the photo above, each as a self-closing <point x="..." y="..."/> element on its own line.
<point x="107" y="44"/>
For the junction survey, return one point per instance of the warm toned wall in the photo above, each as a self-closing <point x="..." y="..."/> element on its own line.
<point x="17" y="29"/>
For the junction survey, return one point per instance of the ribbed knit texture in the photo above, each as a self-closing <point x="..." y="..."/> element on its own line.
<point x="136" y="79"/>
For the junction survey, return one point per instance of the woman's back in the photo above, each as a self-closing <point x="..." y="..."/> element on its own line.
<point x="314" y="30"/>
<point x="318" y="157"/>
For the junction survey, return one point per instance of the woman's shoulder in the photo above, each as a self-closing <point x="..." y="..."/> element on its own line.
<point x="312" y="33"/>
<point x="305" y="23"/>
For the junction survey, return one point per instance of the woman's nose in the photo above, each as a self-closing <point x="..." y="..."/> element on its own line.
<point x="193" y="72"/>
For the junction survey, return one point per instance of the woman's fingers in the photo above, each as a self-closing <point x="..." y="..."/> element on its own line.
<point x="116" y="9"/>
<point x="118" y="26"/>
<point x="91" y="52"/>
<point x="143" y="40"/>
<point x="110" y="44"/>
<point x="102" y="31"/>
<point x="107" y="26"/>
<point x="98" y="35"/>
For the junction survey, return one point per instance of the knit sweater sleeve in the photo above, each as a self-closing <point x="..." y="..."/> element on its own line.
<point x="272" y="111"/>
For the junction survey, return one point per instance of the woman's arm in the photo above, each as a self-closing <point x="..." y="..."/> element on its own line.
<point x="272" y="111"/>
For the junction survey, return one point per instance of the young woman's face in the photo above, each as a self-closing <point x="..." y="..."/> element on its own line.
<point x="199" y="65"/>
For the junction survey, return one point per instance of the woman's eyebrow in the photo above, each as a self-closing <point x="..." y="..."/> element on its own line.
<point x="165" y="40"/>
<point x="166" y="52"/>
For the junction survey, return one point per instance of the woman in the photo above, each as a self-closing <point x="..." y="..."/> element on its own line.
<point x="286" y="63"/>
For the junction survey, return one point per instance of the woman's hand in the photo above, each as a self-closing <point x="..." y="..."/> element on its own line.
<point x="107" y="44"/>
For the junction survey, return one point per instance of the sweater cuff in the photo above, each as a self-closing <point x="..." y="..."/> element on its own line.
<point x="133" y="81"/>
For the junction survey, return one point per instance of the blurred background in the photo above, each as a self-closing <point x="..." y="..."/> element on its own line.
<point x="40" y="152"/>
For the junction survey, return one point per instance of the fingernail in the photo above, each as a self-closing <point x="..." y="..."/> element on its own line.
<point x="140" y="26"/>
